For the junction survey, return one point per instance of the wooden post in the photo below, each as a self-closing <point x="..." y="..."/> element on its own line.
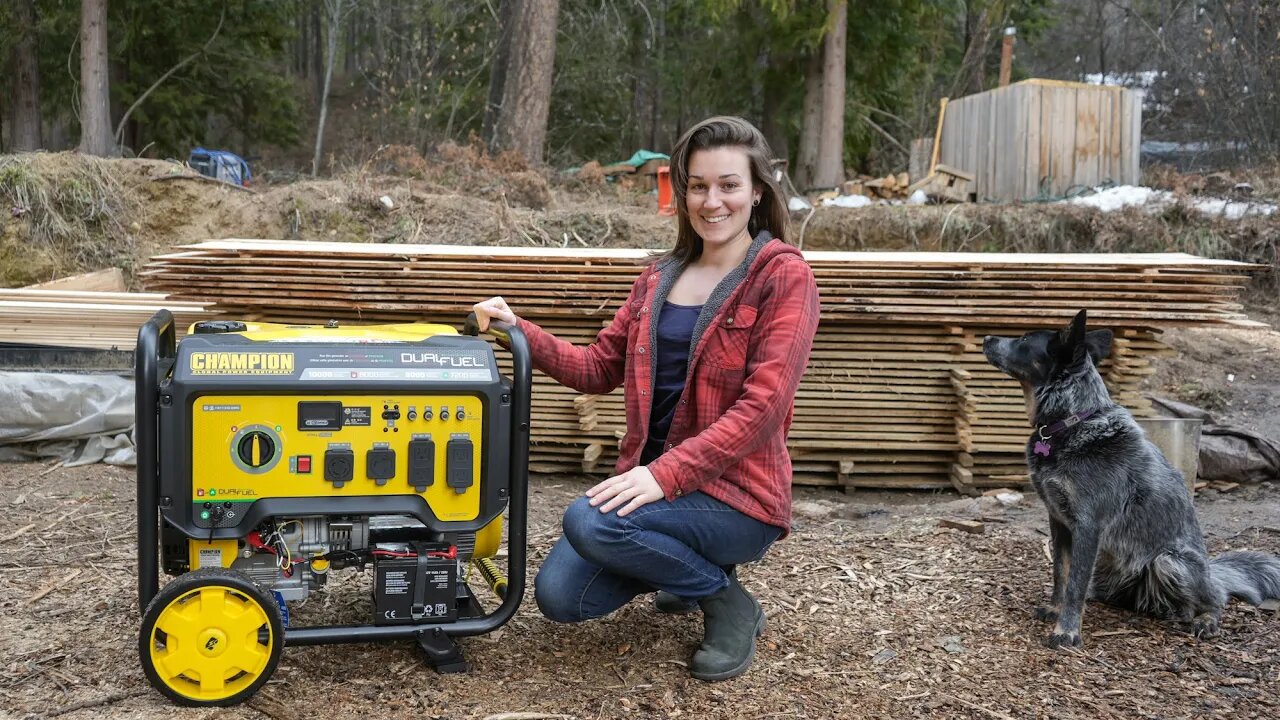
<point x="937" y="135"/>
<point x="1006" y="55"/>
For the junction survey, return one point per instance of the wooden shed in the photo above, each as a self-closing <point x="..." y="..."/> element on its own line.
<point x="1041" y="138"/>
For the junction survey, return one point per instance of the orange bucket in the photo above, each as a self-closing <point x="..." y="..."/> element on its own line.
<point x="666" y="203"/>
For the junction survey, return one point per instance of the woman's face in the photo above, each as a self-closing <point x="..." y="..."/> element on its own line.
<point x="720" y="195"/>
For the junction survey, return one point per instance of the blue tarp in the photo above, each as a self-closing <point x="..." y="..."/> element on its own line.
<point x="220" y="164"/>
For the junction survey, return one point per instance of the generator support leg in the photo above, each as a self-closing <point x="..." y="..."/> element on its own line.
<point x="443" y="653"/>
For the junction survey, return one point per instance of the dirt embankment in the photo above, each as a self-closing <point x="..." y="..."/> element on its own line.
<point x="70" y="213"/>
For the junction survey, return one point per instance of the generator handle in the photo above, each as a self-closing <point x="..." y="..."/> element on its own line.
<point x="513" y="338"/>
<point x="497" y="328"/>
<point x="157" y="341"/>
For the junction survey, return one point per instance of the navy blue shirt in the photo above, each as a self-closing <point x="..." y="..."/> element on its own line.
<point x="675" y="333"/>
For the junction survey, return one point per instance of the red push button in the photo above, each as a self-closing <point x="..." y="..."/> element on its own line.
<point x="304" y="463"/>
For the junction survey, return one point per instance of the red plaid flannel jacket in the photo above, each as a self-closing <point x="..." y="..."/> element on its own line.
<point x="728" y="436"/>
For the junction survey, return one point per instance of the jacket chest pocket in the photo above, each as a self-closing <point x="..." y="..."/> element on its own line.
<point x="731" y="338"/>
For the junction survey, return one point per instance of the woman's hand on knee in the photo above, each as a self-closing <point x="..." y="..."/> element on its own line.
<point x="494" y="308"/>
<point x="635" y="487"/>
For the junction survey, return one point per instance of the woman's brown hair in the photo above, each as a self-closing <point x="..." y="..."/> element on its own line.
<point x="717" y="132"/>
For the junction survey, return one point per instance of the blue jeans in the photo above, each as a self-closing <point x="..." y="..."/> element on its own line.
<point x="603" y="561"/>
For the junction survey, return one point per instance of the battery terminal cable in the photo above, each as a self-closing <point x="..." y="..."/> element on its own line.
<point x="451" y="554"/>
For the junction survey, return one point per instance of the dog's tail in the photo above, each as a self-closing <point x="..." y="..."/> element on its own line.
<point x="1249" y="576"/>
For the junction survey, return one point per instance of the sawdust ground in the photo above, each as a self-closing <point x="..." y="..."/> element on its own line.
<point x="874" y="612"/>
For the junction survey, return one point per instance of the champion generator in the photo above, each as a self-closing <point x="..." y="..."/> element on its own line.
<point x="271" y="457"/>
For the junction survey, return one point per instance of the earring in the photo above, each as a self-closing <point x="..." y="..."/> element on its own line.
<point x="755" y="203"/>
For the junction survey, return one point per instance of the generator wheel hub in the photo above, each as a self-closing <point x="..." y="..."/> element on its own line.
<point x="212" y="642"/>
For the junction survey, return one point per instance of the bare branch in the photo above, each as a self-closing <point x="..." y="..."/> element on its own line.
<point x="141" y="98"/>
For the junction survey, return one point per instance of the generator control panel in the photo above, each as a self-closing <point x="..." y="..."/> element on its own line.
<point x="336" y="445"/>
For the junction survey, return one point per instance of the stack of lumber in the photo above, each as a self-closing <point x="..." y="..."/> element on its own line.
<point x="86" y="318"/>
<point x="897" y="394"/>
<point x="324" y="280"/>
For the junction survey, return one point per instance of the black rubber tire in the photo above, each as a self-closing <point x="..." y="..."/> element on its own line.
<point x="182" y="586"/>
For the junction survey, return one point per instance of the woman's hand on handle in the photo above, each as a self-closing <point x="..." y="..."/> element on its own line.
<point x="495" y="308"/>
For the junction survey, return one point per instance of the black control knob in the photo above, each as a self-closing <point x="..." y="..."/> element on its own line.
<point x="256" y="449"/>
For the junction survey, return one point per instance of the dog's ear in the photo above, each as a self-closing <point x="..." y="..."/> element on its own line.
<point x="1098" y="342"/>
<point x="1071" y="338"/>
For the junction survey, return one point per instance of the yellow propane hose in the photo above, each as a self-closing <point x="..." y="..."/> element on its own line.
<point x="492" y="575"/>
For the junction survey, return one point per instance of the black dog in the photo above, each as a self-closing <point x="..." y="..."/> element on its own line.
<point x="1120" y="515"/>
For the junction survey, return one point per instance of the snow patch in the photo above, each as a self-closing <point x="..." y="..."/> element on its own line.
<point x="1123" y="196"/>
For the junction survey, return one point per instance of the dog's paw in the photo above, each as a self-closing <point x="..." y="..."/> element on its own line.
<point x="1046" y="614"/>
<point x="1205" y="626"/>
<point x="1063" y="640"/>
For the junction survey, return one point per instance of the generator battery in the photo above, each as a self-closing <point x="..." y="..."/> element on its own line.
<point x="414" y="583"/>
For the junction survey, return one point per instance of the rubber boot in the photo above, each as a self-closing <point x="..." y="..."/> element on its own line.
<point x="666" y="603"/>
<point x="732" y="621"/>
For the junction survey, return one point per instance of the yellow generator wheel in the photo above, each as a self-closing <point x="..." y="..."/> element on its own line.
<point x="210" y="637"/>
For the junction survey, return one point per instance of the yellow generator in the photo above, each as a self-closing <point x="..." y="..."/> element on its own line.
<point x="272" y="456"/>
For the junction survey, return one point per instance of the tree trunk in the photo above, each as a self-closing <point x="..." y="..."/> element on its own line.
<point x="26" y="81"/>
<point x="810" y="124"/>
<point x="300" y="43"/>
<point x="657" y="81"/>
<point x="830" y="166"/>
<point x="349" y="47"/>
<point x="334" y="11"/>
<point x="507" y="13"/>
<point x="635" y="136"/>
<point x="758" y="18"/>
<point x="95" y="88"/>
<point x="968" y="77"/>
<point x="317" y="51"/>
<point x="1101" y="24"/>
<point x="399" y="74"/>
<point x="775" y="93"/>
<point x="526" y="95"/>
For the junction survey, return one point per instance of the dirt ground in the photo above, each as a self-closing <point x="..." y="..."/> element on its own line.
<point x="875" y="611"/>
<point x="1232" y="372"/>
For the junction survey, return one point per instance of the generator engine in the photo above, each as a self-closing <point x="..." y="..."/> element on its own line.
<point x="271" y="456"/>
<point x="292" y="556"/>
